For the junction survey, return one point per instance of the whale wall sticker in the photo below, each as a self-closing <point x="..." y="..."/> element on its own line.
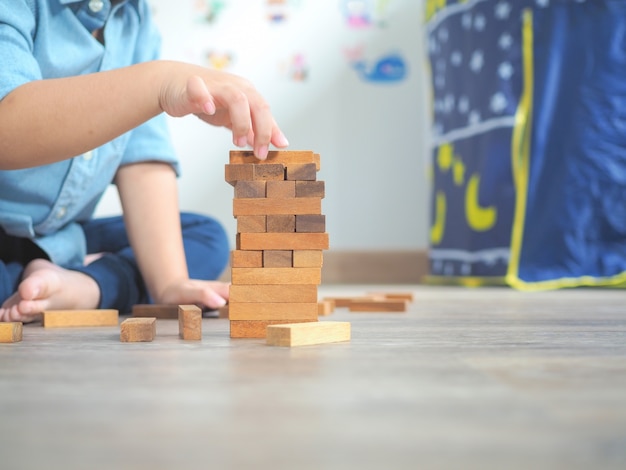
<point x="389" y="68"/>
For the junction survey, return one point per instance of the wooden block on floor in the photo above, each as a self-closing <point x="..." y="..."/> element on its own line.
<point x="346" y="301"/>
<point x="325" y="307"/>
<point x="281" y="223"/>
<point x="266" y="206"/>
<point x="255" y="328"/>
<point x="285" y="157"/>
<point x="252" y="172"/>
<point x="272" y="293"/>
<point x="385" y="305"/>
<point x="408" y="296"/>
<point x="224" y="312"/>
<point x="241" y="276"/>
<point x="190" y="322"/>
<point x="280" y="189"/>
<point x="245" y="189"/>
<point x="310" y="223"/>
<point x="282" y="241"/>
<point x="75" y="318"/>
<point x="308" y="258"/>
<point x="301" y="172"/>
<point x="251" y="224"/>
<point x="273" y="311"/>
<point x="311" y="189"/>
<point x="134" y="330"/>
<point x="306" y="334"/>
<point x="160" y="311"/>
<point x="245" y="259"/>
<point x="276" y="259"/>
<point x="11" y="332"/>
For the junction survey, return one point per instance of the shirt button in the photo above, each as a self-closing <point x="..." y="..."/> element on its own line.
<point x="96" y="5"/>
<point x="61" y="212"/>
<point x="88" y="155"/>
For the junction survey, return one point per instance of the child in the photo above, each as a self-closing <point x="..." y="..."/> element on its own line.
<point x="82" y="96"/>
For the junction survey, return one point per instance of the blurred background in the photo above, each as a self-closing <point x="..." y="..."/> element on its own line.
<point x="345" y="79"/>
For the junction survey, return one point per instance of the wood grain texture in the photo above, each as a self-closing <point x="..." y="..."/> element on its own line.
<point x="190" y="322"/>
<point x="255" y="328"/>
<point x="311" y="189"/>
<point x="250" y="189"/>
<point x="282" y="223"/>
<point x="160" y="311"/>
<point x="273" y="311"/>
<point x="253" y="172"/>
<point x="246" y="259"/>
<point x="240" y="276"/>
<point x="301" y="172"/>
<point x="265" y="206"/>
<point x="280" y="189"/>
<point x="310" y="223"/>
<point x="11" y="332"/>
<point x="306" y="334"/>
<point x="272" y="293"/>
<point x="283" y="241"/>
<point x="276" y="259"/>
<point x="80" y="318"/>
<point x="135" y="330"/>
<point x="276" y="156"/>
<point x="251" y="224"/>
<point x="308" y="258"/>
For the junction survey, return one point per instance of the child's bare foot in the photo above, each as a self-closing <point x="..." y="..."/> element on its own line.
<point x="46" y="286"/>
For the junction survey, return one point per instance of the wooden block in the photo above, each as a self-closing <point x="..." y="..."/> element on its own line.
<point x="301" y="172"/>
<point x="325" y="307"/>
<point x="72" y="318"/>
<point x="346" y="301"/>
<point x="310" y="189"/>
<point x="276" y="156"/>
<point x="273" y="293"/>
<point x="190" y="322"/>
<point x="273" y="311"/>
<point x="245" y="259"/>
<point x="11" y="332"/>
<point x="385" y="305"/>
<point x="299" y="276"/>
<point x="160" y="311"/>
<point x="281" y="224"/>
<point x="265" y="206"/>
<point x="308" y="258"/>
<point x="408" y="296"/>
<point x="280" y="189"/>
<point x="254" y="328"/>
<point x="246" y="189"/>
<point x="283" y="241"/>
<point x="305" y="334"/>
<point x="310" y="223"/>
<point x="251" y="224"/>
<point x="133" y="330"/>
<point x="252" y="172"/>
<point x="223" y="312"/>
<point x="276" y="259"/>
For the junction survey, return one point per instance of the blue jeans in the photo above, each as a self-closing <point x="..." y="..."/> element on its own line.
<point x="117" y="274"/>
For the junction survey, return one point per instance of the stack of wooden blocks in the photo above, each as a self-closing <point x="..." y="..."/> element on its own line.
<point x="281" y="232"/>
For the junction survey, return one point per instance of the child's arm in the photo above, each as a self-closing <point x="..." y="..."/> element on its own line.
<point x="148" y="192"/>
<point x="45" y="121"/>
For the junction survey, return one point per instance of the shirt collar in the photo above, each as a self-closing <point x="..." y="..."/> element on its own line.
<point x="134" y="3"/>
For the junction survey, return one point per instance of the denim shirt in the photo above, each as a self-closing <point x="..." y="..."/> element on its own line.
<point x="42" y="39"/>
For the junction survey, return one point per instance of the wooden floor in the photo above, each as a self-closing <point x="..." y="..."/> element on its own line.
<point x="467" y="379"/>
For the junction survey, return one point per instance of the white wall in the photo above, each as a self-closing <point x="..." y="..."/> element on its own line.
<point x="372" y="137"/>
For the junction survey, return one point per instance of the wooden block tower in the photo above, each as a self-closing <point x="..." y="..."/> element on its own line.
<point x="276" y="266"/>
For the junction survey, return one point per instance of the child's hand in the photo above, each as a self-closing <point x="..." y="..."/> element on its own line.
<point x="211" y="294"/>
<point x="222" y="99"/>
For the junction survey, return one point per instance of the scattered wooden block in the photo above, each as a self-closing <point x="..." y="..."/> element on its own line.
<point x="245" y="259"/>
<point x="255" y="328"/>
<point x="283" y="276"/>
<point x="277" y="259"/>
<point x="305" y="334"/>
<point x="301" y="172"/>
<point x="408" y="296"/>
<point x="266" y="206"/>
<point x="135" y="330"/>
<point x="11" y="332"/>
<point x="190" y="322"/>
<point x="308" y="259"/>
<point x="385" y="305"/>
<point x="282" y="241"/>
<point x="280" y="189"/>
<point x="311" y="189"/>
<point x="346" y="301"/>
<point x="160" y="311"/>
<point x="310" y="223"/>
<point x="325" y="307"/>
<point x="273" y="311"/>
<point x="251" y="224"/>
<point x="76" y="318"/>
<point x="281" y="223"/>
<point x="272" y="293"/>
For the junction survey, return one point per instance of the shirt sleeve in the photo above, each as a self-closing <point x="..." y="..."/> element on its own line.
<point x="17" y="28"/>
<point x="150" y="141"/>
